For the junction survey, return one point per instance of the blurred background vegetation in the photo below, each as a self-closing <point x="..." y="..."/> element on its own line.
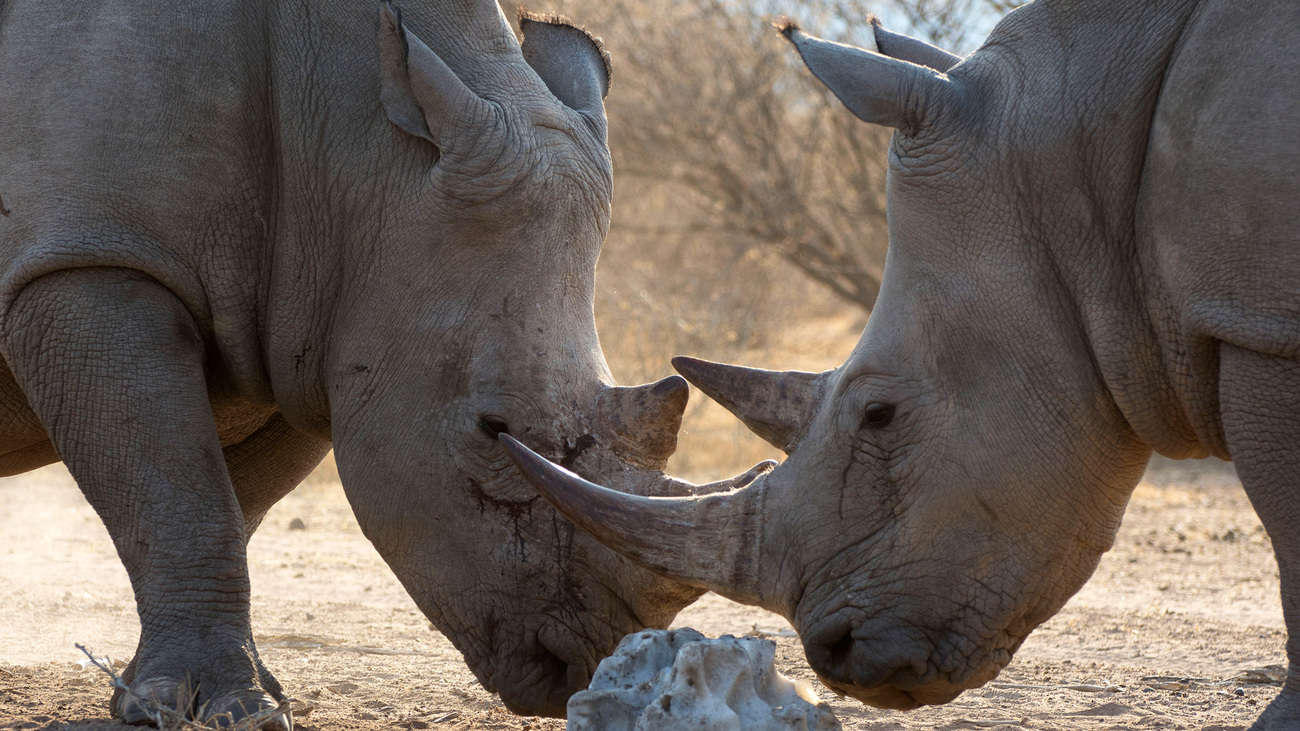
<point x="749" y="221"/>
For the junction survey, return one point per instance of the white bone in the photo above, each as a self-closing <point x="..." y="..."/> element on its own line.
<point x="676" y="680"/>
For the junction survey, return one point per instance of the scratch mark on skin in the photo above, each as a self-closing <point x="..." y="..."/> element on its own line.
<point x="844" y="481"/>
<point x="301" y="357"/>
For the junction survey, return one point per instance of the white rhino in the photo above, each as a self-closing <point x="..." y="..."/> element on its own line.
<point x="230" y="237"/>
<point x="1094" y="255"/>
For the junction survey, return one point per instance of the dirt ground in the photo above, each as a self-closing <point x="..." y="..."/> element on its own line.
<point x="1183" y="606"/>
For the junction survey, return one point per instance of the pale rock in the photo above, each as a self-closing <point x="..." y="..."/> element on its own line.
<point x="679" y="679"/>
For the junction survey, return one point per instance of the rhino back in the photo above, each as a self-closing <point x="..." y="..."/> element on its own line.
<point x="1219" y="208"/>
<point x="135" y="134"/>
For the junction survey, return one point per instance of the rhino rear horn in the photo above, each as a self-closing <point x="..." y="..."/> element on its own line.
<point x="775" y="405"/>
<point x="419" y="92"/>
<point x="877" y="88"/>
<point x="572" y="63"/>
<point x="643" y="421"/>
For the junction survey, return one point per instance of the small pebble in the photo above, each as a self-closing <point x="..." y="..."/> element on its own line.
<point x="297" y="524"/>
<point x="1239" y="691"/>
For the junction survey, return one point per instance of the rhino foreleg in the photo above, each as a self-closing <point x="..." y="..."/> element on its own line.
<point x="1260" y="404"/>
<point x="113" y="365"/>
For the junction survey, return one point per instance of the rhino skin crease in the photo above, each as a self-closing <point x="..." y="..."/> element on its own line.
<point x="236" y="236"/>
<point x="1094" y="254"/>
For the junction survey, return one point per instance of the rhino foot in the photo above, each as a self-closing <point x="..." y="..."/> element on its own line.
<point x="228" y="710"/>
<point x="1283" y="714"/>
<point x="268" y="681"/>
<point x="149" y="699"/>
<point x="162" y="700"/>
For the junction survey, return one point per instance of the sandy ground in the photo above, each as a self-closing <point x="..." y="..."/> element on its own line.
<point x="1188" y="594"/>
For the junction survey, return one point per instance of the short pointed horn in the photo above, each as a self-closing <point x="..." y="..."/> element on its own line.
<point x="775" y="405"/>
<point x="643" y="421"/>
<point x="708" y="541"/>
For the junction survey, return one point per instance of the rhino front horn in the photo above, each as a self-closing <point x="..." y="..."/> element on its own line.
<point x="708" y="541"/>
<point x="643" y="421"/>
<point x="775" y="405"/>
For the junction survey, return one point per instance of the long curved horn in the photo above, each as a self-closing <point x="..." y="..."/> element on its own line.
<point x="709" y="541"/>
<point x="775" y="405"/>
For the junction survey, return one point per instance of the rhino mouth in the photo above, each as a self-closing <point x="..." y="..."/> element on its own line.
<point x="903" y="690"/>
<point x="552" y="655"/>
<point x="545" y="688"/>
<point x="535" y="677"/>
<point x="897" y="699"/>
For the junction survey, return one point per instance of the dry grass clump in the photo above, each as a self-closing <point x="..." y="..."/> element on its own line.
<point x="177" y="719"/>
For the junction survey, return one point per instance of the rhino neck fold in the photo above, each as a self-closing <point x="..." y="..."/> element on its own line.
<point x="1077" y="133"/>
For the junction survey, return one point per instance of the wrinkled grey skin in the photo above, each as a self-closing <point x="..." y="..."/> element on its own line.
<point x="230" y="238"/>
<point x="1094" y="254"/>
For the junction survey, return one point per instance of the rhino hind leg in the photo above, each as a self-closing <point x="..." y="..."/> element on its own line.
<point x="268" y="465"/>
<point x="1260" y="406"/>
<point x="113" y="365"/>
<point x="263" y="468"/>
<point x="23" y="443"/>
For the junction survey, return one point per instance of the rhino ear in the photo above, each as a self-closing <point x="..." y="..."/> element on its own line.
<point x="775" y="405"/>
<point x="912" y="50"/>
<point x="573" y="63"/>
<point x="420" y="93"/>
<point x="878" y="89"/>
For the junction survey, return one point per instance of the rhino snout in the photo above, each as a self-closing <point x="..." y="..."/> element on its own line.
<point x="889" y="665"/>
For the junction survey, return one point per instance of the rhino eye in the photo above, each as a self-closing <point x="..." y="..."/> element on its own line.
<point x="877" y="415"/>
<point x="493" y="425"/>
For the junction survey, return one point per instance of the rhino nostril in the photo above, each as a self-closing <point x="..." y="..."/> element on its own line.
<point x="841" y="652"/>
<point x="493" y="425"/>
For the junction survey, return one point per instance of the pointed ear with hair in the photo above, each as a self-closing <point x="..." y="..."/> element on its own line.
<point x="912" y="50"/>
<point x="420" y="93"/>
<point x="573" y="63"/>
<point x="878" y="89"/>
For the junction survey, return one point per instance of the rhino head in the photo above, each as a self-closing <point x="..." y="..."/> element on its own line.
<point x="470" y="317"/>
<point x="952" y="484"/>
